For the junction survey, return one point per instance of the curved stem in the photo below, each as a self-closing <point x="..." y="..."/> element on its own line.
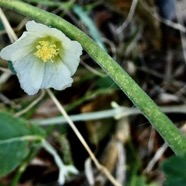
<point x="149" y="109"/>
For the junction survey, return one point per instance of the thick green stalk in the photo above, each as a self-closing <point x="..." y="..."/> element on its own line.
<point x="149" y="109"/>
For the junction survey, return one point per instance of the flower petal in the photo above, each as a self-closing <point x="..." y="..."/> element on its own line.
<point x="43" y="30"/>
<point x="21" y="48"/>
<point x="56" y="76"/>
<point x="30" y="73"/>
<point x="71" y="49"/>
<point x="71" y="56"/>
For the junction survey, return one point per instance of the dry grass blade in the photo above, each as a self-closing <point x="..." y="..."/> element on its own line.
<point x="31" y="105"/>
<point x="80" y="137"/>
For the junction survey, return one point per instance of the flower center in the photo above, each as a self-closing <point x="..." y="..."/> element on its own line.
<point x="46" y="51"/>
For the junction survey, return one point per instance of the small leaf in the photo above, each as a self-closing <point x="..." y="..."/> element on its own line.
<point x="11" y="154"/>
<point x="13" y="148"/>
<point x="174" y="169"/>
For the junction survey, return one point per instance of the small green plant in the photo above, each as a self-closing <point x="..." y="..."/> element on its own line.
<point x="159" y="120"/>
<point x="44" y="56"/>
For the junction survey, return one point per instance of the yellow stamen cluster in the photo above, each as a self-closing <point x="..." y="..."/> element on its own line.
<point x="46" y="51"/>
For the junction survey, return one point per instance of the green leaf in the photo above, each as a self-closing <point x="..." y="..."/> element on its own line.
<point x="93" y="31"/>
<point x="174" y="169"/>
<point x="11" y="155"/>
<point x="140" y="181"/>
<point x="14" y="141"/>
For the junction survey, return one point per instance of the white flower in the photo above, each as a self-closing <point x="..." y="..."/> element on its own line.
<point x="43" y="57"/>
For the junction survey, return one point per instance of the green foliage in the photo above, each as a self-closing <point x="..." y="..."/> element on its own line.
<point x="140" y="181"/>
<point x="11" y="155"/>
<point x="174" y="169"/>
<point x="15" y="136"/>
<point x="163" y="125"/>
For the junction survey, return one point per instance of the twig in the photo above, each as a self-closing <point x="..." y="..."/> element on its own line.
<point x="156" y="157"/>
<point x="111" y="45"/>
<point x="91" y="69"/>
<point x="5" y="70"/>
<point x="11" y="34"/>
<point x="31" y="105"/>
<point x="118" y="113"/>
<point x="129" y="17"/>
<point x="167" y="22"/>
<point x="4" y="77"/>
<point x="181" y="22"/>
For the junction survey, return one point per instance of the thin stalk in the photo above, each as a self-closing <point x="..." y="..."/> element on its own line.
<point x="150" y="110"/>
<point x="117" y="113"/>
<point x="82" y="140"/>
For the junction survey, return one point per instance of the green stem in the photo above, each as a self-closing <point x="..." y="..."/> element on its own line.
<point x="150" y="110"/>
